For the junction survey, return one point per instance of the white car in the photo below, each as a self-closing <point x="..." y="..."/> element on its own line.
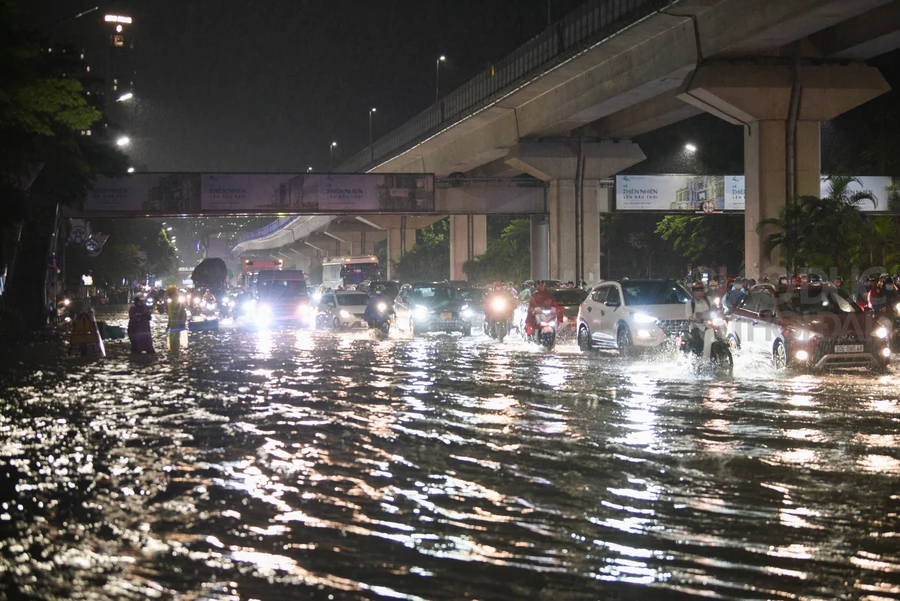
<point x="342" y="309"/>
<point x="632" y="315"/>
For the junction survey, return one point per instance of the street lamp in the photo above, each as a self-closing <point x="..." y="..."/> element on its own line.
<point x="309" y="169"/>
<point x="131" y="170"/>
<point x="124" y="97"/>
<point x="123" y="141"/>
<point x="437" y="77"/>
<point x="690" y="148"/>
<point x="371" y="148"/>
<point x="331" y="157"/>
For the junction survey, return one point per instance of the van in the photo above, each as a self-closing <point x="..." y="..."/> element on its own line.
<point x="281" y="296"/>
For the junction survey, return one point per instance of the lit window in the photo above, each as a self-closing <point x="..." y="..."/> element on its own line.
<point x="118" y="41"/>
<point x="115" y="88"/>
<point x="88" y="132"/>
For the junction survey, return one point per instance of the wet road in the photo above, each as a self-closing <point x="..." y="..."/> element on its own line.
<point x="327" y="465"/>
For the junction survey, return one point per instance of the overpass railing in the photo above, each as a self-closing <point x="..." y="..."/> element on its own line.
<point x="271" y="228"/>
<point x="580" y="29"/>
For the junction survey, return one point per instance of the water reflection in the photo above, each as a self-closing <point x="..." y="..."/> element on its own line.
<point x="335" y="463"/>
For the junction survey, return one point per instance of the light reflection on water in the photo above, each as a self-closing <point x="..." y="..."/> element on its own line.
<point x="441" y="467"/>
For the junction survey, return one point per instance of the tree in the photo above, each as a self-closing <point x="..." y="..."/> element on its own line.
<point x="820" y="233"/>
<point x="710" y="237"/>
<point x="44" y="161"/>
<point x="507" y="258"/>
<point x="429" y="258"/>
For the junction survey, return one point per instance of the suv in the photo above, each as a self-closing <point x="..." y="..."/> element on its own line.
<point x="632" y="315"/>
<point x="432" y="307"/>
<point x="815" y="326"/>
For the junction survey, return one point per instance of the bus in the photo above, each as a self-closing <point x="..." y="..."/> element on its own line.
<point x="347" y="272"/>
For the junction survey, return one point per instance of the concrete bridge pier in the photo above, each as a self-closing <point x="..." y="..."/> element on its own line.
<point x="468" y="239"/>
<point x="572" y="248"/>
<point x="780" y="162"/>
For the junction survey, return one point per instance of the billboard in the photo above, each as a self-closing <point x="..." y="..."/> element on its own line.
<point x="151" y="194"/>
<point x="688" y="193"/>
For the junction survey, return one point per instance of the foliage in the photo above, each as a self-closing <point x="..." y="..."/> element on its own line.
<point x="429" y="259"/>
<point x="820" y="233"/>
<point x="44" y="159"/>
<point x="507" y="258"/>
<point x="705" y="238"/>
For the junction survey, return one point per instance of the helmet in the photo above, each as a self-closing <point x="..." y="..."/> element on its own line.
<point x="498" y="285"/>
<point x="171" y="290"/>
<point x="697" y="286"/>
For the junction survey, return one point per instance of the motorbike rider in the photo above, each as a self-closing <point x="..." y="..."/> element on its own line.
<point x="372" y="314"/>
<point x="702" y="310"/>
<point x="883" y="297"/>
<point x="541" y="298"/>
<point x="499" y="293"/>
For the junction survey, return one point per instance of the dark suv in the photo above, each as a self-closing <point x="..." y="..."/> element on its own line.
<point x="808" y="325"/>
<point x="433" y="307"/>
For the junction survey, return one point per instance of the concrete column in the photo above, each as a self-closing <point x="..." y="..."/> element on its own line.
<point x="540" y="247"/>
<point x="400" y="240"/>
<point x="760" y="99"/>
<point x="468" y="239"/>
<point x="556" y="163"/>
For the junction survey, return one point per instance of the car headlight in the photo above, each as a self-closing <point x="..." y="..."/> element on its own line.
<point x="316" y="297"/>
<point x="420" y="312"/>
<point x="382" y="307"/>
<point x="345" y="314"/>
<point x="303" y="309"/>
<point x="466" y="312"/>
<point x="881" y="332"/>
<point x="643" y="318"/>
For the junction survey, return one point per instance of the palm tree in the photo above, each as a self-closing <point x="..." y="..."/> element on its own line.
<point x="822" y="233"/>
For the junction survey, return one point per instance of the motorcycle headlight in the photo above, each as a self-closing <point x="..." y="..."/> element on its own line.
<point x="420" y="312"/>
<point x="181" y="299"/>
<point x="196" y="300"/>
<point x="67" y="302"/>
<point x="881" y="332"/>
<point x="717" y="322"/>
<point x="345" y="314"/>
<point x="897" y="307"/>
<point x="210" y="306"/>
<point x="498" y="304"/>
<point x="382" y="307"/>
<point x="643" y="318"/>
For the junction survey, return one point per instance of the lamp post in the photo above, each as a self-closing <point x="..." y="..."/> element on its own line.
<point x="371" y="148"/>
<point x="309" y="169"/>
<point x="437" y="77"/>
<point x="123" y="141"/>
<point x="331" y="157"/>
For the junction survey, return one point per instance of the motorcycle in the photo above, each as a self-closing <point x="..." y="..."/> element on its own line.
<point x="691" y="340"/>
<point x="380" y="319"/>
<point x="498" y="317"/>
<point x="545" y="327"/>
<point x="162" y="304"/>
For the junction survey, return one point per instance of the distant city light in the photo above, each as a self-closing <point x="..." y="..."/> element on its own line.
<point x="690" y="148"/>
<point x="117" y="19"/>
<point x="131" y="170"/>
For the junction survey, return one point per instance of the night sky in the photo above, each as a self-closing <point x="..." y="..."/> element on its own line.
<point x="228" y="85"/>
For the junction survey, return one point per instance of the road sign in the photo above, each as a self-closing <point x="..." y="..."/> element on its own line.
<point x="708" y="207"/>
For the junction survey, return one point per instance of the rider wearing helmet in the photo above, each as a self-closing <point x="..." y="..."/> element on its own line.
<point x="702" y="310"/>
<point x="541" y="298"/>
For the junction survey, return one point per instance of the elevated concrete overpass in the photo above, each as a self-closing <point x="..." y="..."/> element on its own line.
<point x="564" y="106"/>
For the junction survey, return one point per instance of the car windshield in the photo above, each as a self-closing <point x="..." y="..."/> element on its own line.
<point x="353" y="299"/>
<point x="805" y="301"/>
<point x="570" y="296"/>
<point x="428" y="293"/>
<point x="390" y="288"/>
<point x="653" y="292"/>
<point x="282" y="289"/>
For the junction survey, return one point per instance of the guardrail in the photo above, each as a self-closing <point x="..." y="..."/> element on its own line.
<point x="590" y="23"/>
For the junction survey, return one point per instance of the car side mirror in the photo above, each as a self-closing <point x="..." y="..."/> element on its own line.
<point x="766" y="314"/>
<point x="612" y="302"/>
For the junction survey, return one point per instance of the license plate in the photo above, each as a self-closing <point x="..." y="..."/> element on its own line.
<point x="446" y="315"/>
<point x="848" y="348"/>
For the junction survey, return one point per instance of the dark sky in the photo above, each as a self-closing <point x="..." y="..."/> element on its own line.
<point x="267" y="85"/>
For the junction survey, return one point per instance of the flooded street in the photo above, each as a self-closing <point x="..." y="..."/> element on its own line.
<point x="334" y="465"/>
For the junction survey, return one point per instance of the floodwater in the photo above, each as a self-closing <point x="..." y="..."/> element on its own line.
<point x="334" y="465"/>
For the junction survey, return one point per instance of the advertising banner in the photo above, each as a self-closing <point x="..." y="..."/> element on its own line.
<point x="150" y="194"/>
<point x="671" y="193"/>
<point x="689" y="193"/>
